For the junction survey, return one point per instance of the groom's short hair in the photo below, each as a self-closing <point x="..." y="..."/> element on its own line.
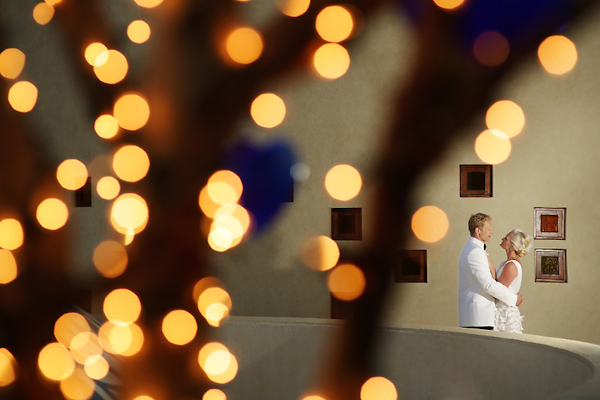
<point x="477" y="221"/>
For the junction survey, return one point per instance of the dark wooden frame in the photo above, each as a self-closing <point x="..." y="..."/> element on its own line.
<point x="465" y="182"/>
<point x="561" y="258"/>
<point x="340" y="218"/>
<point x="538" y="215"/>
<point x="408" y="260"/>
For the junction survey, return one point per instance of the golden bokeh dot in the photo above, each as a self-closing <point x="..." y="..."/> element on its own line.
<point x="22" y="96"/>
<point x="131" y="111"/>
<point x="214" y="394"/>
<point x="12" y="62"/>
<point x="55" y="362"/>
<point x="85" y="345"/>
<point x="122" y="306"/>
<point x="43" y="13"/>
<point x="449" y="4"/>
<point x="11" y="234"/>
<point x="114" y="70"/>
<point x="138" y="31"/>
<point x="331" y="60"/>
<point x="313" y="397"/>
<point x="96" y="367"/>
<point x="179" y="327"/>
<point x="69" y="325"/>
<point x="110" y="258"/>
<point x="346" y="282"/>
<point x="343" y="182"/>
<point x="493" y="146"/>
<point x="52" y="214"/>
<point x="132" y="334"/>
<point x="72" y="174"/>
<point x="78" y="386"/>
<point x="557" y="54"/>
<point x="217" y="362"/>
<point x="430" y="224"/>
<point x="8" y="267"/>
<point x="214" y="304"/>
<point x="224" y="187"/>
<point x="108" y="187"/>
<point x="491" y="48"/>
<point x="96" y="54"/>
<point x="244" y="45"/>
<point x="320" y="253"/>
<point x="53" y="2"/>
<point x="148" y="3"/>
<point x="106" y="126"/>
<point x="334" y="24"/>
<point x="129" y="211"/>
<point x="268" y="110"/>
<point x="131" y="163"/>
<point x="292" y="8"/>
<point x="505" y="116"/>
<point x="378" y="388"/>
<point x="8" y="367"/>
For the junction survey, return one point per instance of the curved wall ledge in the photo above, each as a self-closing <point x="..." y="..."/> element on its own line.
<point x="279" y="358"/>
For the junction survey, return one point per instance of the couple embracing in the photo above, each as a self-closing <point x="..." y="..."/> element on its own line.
<point x="489" y="299"/>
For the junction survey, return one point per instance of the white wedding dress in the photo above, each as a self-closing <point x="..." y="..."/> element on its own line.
<point x="508" y="318"/>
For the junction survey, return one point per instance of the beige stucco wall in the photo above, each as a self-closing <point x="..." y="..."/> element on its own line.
<point x="554" y="163"/>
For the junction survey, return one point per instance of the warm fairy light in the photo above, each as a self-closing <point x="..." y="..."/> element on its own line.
<point x="207" y="205"/>
<point x="55" y="362"/>
<point x="179" y="327"/>
<point x="132" y="333"/>
<point x="320" y="253"/>
<point x="114" y="70"/>
<point x="53" y="2"/>
<point x="214" y="394"/>
<point x="220" y="239"/>
<point x="505" y="116"/>
<point x="430" y="224"/>
<point x="235" y="211"/>
<point x="131" y="163"/>
<point x="72" y="174"/>
<point x="346" y="282"/>
<point x="129" y="236"/>
<point x="110" y="258"/>
<point x="69" y="325"/>
<point x="557" y="54"/>
<point x="214" y="304"/>
<point x="449" y="4"/>
<point x="84" y="345"/>
<point x="144" y="397"/>
<point x="96" y="367"/>
<point x="8" y="367"/>
<point x="148" y="3"/>
<point x="52" y="214"/>
<point x="138" y="31"/>
<point x="493" y="146"/>
<point x="22" y="96"/>
<point x="224" y="187"/>
<point x="106" y="126"/>
<point x="12" y="62"/>
<point x="292" y="8"/>
<point x="244" y="45"/>
<point x="131" y="111"/>
<point x="378" y="388"/>
<point x="217" y="362"/>
<point x="334" y="24"/>
<point x="229" y="227"/>
<point x="11" y="234"/>
<point x="96" y="54"/>
<point x="203" y="284"/>
<point x="313" y="397"/>
<point x="268" y="110"/>
<point x="108" y="187"/>
<point x="129" y="210"/>
<point x="343" y="182"/>
<point x="122" y="306"/>
<point x="331" y="60"/>
<point x="8" y="267"/>
<point x="491" y="48"/>
<point x="78" y="386"/>
<point x="43" y="13"/>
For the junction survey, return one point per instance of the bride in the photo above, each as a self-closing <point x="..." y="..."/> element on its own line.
<point x="509" y="273"/>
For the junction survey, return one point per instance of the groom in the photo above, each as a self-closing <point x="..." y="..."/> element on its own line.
<point x="476" y="286"/>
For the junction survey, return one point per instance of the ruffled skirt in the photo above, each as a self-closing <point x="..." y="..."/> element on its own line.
<point x="508" y="319"/>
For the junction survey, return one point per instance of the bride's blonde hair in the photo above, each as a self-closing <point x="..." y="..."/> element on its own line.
<point x="520" y="241"/>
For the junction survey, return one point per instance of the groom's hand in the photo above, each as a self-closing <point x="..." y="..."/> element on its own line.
<point x="519" y="299"/>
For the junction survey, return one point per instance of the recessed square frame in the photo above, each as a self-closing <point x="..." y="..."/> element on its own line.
<point x="412" y="266"/>
<point x="476" y="180"/>
<point x="346" y="223"/>
<point x="551" y="265"/>
<point x="549" y="223"/>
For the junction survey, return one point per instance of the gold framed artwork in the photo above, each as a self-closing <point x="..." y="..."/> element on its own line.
<point x="551" y="265"/>
<point x="476" y="180"/>
<point x="549" y="223"/>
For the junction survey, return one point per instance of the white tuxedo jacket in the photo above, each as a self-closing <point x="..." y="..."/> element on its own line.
<point x="476" y="287"/>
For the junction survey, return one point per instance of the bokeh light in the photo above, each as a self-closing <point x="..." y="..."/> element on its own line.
<point x="493" y="146"/>
<point x="124" y="340"/>
<point x="491" y="48"/>
<point x="268" y="110"/>
<point x="131" y="163"/>
<point x="207" y="205"/>
<point x="8" y="367"/>
<point x="346" y="282"/>
<point x="343" y="182"/>
<point x="138" y="31"/>
<point x="131" y="111"/>
<point x="96" y="367"/>
<point x="320" y="253"/>
<point x="334" y="24"/>
<point x="331" y="60"/>
<point x="179" y="327"/>
<point x="557" y="54"/>
<point x="55" y="362"/>
<point x="108" y="187"/>
<point x="52" y="214"/>
<point x="114" y="70"/>
<point x="122" y="306"/>
<point x="224" y="187"/>
<point x="378" y="388"/>
<point x="110" y="258"/>
<point x="148" y="3"/>
<point x="96" y="54"/>
<point x="430" y="224"/>
<point x="11" y="234"/>
<point x="449" y="4"/>
<point x="129" y="210"/>
<point x="313" y="397"/>
<point x="22" y="96"/>
<point x="217" y="362"/>
<point x="84" y="345"/>
<point x="106" y="126"/>
<point x="72" y="174"/>
<point x="69" y="325"/>
<point x="292" y="8"/>
<point x="8" y="267"/>
<point x="244" y="45"/>
<point x="214" y="304"/>
<point x="214" y="394"/>
<point x="78" y="386"/>
<point x="43" y="13"/>
<point x="12" y="62"/>
<point x="505" y="116"/>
